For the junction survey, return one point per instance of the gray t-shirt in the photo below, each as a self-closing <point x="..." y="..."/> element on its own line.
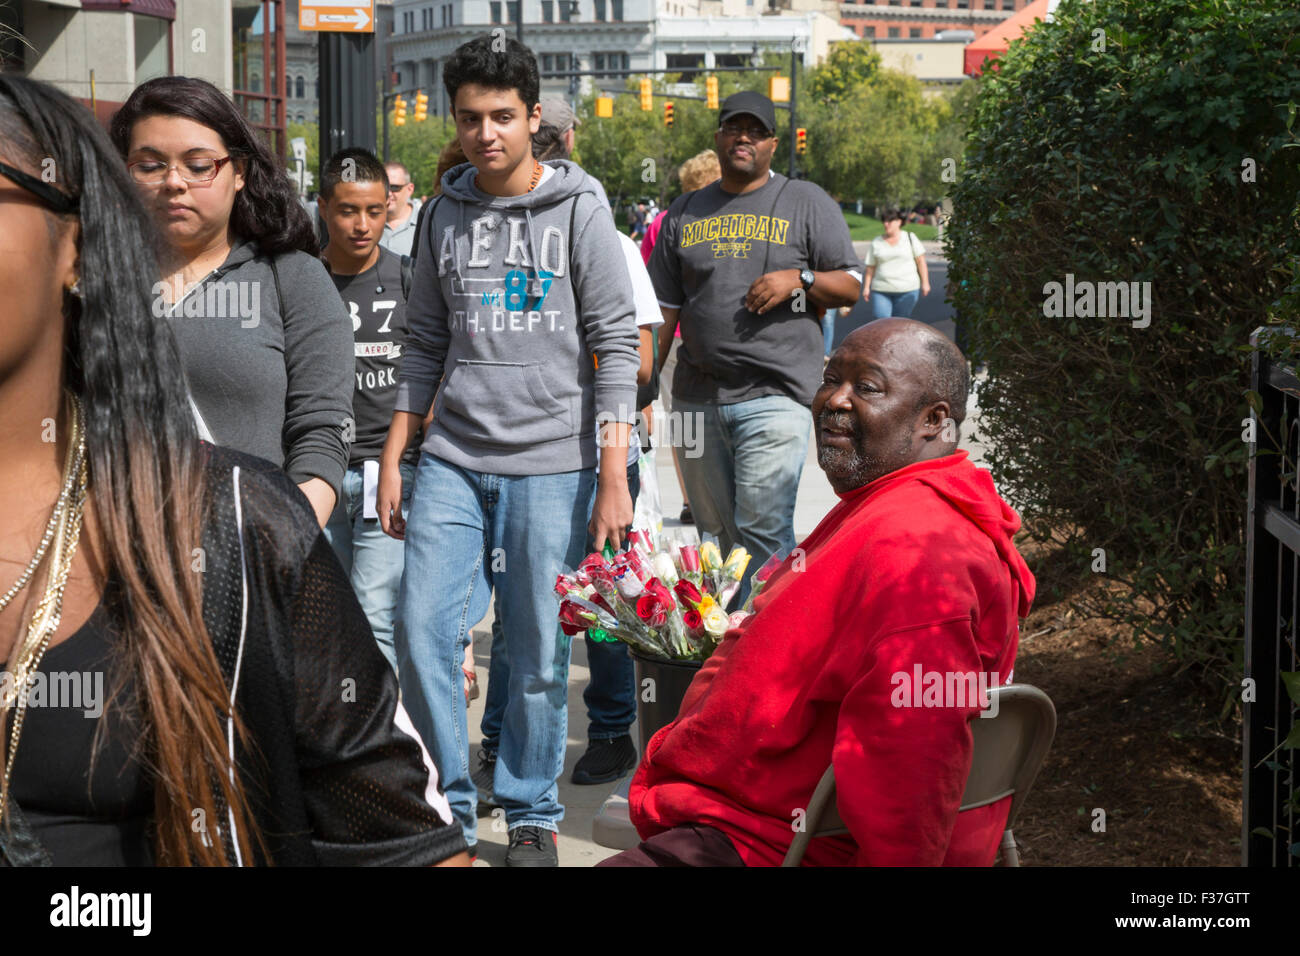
<point x="711" y="247"/>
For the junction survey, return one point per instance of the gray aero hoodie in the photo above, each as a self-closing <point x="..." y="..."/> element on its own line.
<point x="512" y="296"/>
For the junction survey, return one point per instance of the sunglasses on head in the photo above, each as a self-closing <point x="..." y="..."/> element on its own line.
<point x="55" y="200"/>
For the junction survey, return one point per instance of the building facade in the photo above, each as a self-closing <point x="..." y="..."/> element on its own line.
<point x="922" y="19"/>
<point x="598" y="35"/>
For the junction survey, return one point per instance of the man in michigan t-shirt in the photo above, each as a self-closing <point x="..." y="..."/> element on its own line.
<point x="746" y="266"/>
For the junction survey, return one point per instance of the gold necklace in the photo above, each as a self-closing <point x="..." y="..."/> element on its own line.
<point x="49" y="610"/>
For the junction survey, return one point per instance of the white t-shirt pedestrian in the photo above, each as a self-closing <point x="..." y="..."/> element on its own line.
<point x="895" y="264"/>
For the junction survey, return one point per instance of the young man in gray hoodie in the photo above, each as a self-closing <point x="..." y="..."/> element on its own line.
<point x="523" y="338"/>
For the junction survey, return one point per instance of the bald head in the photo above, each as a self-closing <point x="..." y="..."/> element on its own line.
<point x="942" y="368"/>
<point x="894" y="393"/>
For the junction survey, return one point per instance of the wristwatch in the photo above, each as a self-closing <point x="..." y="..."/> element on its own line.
<point x="807" y="277"/>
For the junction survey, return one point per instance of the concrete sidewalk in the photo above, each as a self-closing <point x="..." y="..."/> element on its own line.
<point x="581" y="804"/>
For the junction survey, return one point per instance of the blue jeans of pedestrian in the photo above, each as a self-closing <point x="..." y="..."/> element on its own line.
<point x="371" y="559"/>
<point x="610" y="695"/>
<point x="468" y="532"/>
<point x="828" y="330"/>
<point x="744" y="477"/>
<point x="897" y="304"/>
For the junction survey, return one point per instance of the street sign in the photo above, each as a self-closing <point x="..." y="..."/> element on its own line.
<point x="337" y="16"/>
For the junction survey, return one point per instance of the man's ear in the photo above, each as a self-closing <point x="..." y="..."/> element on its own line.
<point x="938" y="422"/>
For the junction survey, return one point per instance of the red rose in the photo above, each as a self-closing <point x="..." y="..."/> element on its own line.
<point x="687" y="593"/>
<point x="693" y="620"/>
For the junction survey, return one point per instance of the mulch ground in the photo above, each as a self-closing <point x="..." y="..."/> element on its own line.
<point x="1133" y="738"/>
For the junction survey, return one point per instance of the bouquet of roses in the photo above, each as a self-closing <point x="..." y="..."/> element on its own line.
<point x="759" y="580"/>
<point x="665" y="604"/>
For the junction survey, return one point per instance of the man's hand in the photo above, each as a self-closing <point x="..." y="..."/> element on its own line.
<point x="611" y="515"/>
<point x="769" y="291"/>
<point x="388" y="501"/>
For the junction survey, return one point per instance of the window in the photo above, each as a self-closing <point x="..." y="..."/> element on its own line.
<point x="300" y="88"/>
<point x="554" y="64"/>
<point x="255" y="83"/>
<point x="567" y="11"/>
<point x="617" y="6"/>
<point x="408" y="21"/>
<point x="914" y="33"/>
<point x="894" y="33"/>
<point x="963" y="4"/>
<point x="512" y="11"/>
<point x="548" y="11"/>
<point x="426" y="18"/>
<point x="869" y="32"/>
<point x="609" y="61"/>
<point x="495" y="8"/>
<point x="731" y="59"/>
<point x="1008" y="4"/>
<point x="687" y="63"/>
<point x="152" y="47"/>
<point x="600" y="10"/>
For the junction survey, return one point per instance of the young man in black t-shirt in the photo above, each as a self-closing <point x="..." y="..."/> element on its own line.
<point x="373" y="283"/>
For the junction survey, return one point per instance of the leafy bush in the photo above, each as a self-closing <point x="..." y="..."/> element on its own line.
<point x="1134" y="141"/>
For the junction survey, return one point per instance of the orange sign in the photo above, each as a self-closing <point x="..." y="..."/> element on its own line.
<point x="337" y="16"/>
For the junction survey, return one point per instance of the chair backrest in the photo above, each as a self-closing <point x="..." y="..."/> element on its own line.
<point x="1009" y="748"/>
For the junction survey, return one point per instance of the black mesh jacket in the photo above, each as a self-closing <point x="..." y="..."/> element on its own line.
<point x="336" y="773"/>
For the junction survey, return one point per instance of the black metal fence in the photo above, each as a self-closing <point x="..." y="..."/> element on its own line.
<point x="1271" y="800"/>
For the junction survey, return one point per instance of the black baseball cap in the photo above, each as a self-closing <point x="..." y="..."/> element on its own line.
<point x="755" y="104"/>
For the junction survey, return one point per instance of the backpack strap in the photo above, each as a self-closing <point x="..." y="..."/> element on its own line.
<point x="419" y="223"/>
<point x="408" y="272"/>
<point x="279" y="297"/>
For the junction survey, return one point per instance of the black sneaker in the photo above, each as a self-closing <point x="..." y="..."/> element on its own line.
<point x="482" y="777"/>
<point x="533" y="846"/>
<point x="686" y="517"/>
<point x="605" y="760"/>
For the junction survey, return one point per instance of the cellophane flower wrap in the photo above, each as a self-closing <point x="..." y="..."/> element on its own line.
<point x="664" y="605"/>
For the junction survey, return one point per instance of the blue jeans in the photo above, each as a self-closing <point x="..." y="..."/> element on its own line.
<point x="743" y="484"/>
<point x="466" y="533"/>
<point x="371" y="559"/>
<point x="899" y="304"/>
<point x="828" y="330"/>
<point x="610" y="695"/>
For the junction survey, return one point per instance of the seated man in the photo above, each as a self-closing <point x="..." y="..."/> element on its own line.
<point x="912" y="574"/>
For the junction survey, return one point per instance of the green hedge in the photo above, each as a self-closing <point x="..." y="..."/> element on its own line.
<point x="1134" y="141"/>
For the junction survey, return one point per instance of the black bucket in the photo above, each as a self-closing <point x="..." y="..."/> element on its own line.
<point x="671" y="678"/>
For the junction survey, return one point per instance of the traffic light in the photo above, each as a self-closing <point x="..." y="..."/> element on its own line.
<point x="399" y="112"/>
<point x="711" y="92"/>
<point x="604" y="106"/>
<point x="668" y="114"/>
<point x="647" y="94"/>
<point x="778" y="89"/>
<point x="421" y="106"/>
<point x="800" y="141"/>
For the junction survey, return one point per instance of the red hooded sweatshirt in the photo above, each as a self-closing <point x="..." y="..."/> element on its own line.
<point x="915" y="569"/>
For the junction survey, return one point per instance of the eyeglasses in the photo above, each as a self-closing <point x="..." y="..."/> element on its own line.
<point x="150" y="172"/>
<point x="392" y="188"/>
<point x="753" y="132"/>
<point x="55" y="200"/>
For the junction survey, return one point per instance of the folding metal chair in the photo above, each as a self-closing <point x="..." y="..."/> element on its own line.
<point x="1008" y="753"/>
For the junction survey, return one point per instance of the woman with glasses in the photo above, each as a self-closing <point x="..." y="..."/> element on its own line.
<point x="187" y="677"/>
<point x="265" y="340"/>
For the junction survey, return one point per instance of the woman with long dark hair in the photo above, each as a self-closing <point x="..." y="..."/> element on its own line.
<point x="240" y="711"/>
<point x="265" y="340"/>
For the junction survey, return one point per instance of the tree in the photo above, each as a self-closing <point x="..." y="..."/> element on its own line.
<point x="849" y="66"/>
<point x="1110" y="146"/>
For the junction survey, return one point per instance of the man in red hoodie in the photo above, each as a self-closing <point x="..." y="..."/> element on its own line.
<point x="912" y="576"/>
